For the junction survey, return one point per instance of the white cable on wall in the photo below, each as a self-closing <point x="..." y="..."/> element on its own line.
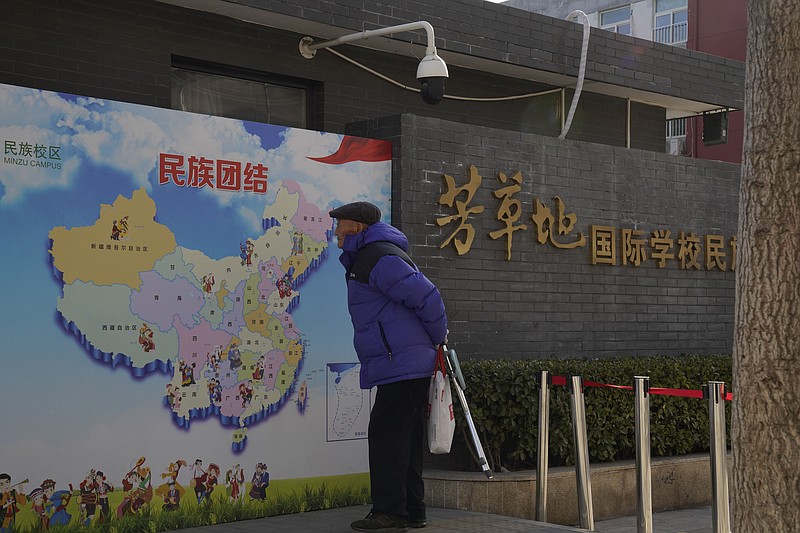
<point x="448" y="96"/>
<point x="575" y="97"/>
<point x="581" y="71"/>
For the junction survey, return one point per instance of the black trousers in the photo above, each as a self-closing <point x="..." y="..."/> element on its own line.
<point x="396" y="432"/>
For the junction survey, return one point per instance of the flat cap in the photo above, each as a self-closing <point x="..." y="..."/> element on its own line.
<point x="363" y="212"/>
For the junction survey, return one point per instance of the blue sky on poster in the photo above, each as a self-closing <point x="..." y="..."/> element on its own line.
<point x="112" y="136"/>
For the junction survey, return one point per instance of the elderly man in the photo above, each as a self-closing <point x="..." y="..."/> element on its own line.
<point x="398" y="320"/>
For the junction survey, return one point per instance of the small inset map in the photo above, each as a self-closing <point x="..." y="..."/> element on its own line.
<point x="348" y="404"/>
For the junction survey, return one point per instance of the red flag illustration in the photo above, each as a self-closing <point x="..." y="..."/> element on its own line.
<point x="358" y="149"/>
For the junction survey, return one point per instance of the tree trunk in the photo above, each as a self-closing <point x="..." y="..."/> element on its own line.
<point x="765" y="433"/>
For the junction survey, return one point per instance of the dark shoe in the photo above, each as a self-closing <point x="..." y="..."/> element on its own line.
<point x="417" y="522"/>
<point x="380" y="522"/>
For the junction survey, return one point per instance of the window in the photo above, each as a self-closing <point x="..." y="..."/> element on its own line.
<point x="676" y="128"/>
<point x="241" y="94"/>
<point x="672" y="22"/>
<point x="676" y="136"/>
<point x="715" y="128"/>
<point x="617" y="20"/>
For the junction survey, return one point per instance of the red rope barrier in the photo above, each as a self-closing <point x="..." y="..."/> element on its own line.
<point x="587" y="383"/>
<point x="561" y="381"/>
<point x="686" y="393"/>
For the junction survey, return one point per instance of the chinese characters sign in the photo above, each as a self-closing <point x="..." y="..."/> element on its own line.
<point x="462" y="211"/>
<point x="607" y="245"/>
<point x="221" y="174"/>
<point x="24" y="153"/>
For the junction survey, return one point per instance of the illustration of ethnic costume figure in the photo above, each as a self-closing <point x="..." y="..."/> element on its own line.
<point x="246" y="254"/>
<point x="101" y="489"/>
<point x="234" y="356"/>
<point x="171" y="491"/>
<point x="284" y="286"/>
<point x="146" y="338"/>
<point x="259" y="483"/>
<point x="10" y="501"/>
<point x="88" y="497"/>
<point x="297" y="243"/>
<point x="205" y="483"/>
<point x="214" y="391"/>
<point x="123" y="226"/>
<point x="59" y="500"/>
<point x="115" y="231"/>
<point x="40" y="506"/>
<point x="198" y="477"/>
<point x="258" y="369"/>
<point x="171" y="395"/>
<point x="139" y="491"/>
<point x="234" y="479"/>
<point x="187" y="373"/>
<point x="172" y="498"/>
<point x="246" y="393"/>
<point x="208" y="283"/>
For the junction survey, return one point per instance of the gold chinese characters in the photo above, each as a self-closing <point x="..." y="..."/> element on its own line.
<point x="608" y="245"/>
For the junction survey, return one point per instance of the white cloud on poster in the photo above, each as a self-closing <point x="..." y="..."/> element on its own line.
<point x="323" y="183"/>
<point x="110" y="134"/>
<point x="17" y="183"/>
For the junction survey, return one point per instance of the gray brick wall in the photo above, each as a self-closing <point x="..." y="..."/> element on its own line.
<point x="519" y="37"/>
<point x="549" y="302"/>
<point x="545" y="301"/>
<point x="124" y="51"/>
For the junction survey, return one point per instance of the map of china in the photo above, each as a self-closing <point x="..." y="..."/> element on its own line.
<point x="221" y="328"/>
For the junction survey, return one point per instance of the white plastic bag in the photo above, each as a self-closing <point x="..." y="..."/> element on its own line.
<point x="441" y="419"/>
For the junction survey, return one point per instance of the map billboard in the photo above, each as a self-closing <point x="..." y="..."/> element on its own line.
<point x="175" y="312"/>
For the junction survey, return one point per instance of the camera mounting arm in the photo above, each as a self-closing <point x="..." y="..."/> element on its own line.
<point x="431" y="72"/>
<point x="308" y="48"/>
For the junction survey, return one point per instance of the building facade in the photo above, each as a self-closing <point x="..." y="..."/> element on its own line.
<point x="712" y="27"/>
<point x="134" y="217"/>
<point x="609" y="246"/>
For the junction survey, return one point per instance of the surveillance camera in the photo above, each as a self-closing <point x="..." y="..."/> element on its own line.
<point x="431" y="73"/>
<point x="432" y="90"/>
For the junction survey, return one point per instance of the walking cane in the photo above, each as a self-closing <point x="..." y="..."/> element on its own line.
<point x="460" y="384"/>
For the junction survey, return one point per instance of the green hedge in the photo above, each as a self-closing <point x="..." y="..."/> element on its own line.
<point x="503" y="397"/>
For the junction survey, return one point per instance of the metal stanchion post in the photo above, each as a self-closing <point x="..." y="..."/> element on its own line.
<point x="644" y="498"/>
<point x="719" y="451"/>
<point x="582" y="479"/>
<point x="543" y="446"/>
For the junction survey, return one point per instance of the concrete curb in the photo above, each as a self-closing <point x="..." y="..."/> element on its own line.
<point x="677" y="483"/>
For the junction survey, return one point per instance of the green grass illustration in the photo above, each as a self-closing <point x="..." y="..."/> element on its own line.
<point x="283" y="497"/>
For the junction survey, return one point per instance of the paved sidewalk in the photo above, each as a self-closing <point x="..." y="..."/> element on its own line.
<point x="681" y="521"/>
<point x="338" y="521"/>
<point x="451" y="521"/>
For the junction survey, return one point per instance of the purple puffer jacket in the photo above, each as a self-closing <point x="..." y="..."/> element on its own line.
<point x="398" y="318"/>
